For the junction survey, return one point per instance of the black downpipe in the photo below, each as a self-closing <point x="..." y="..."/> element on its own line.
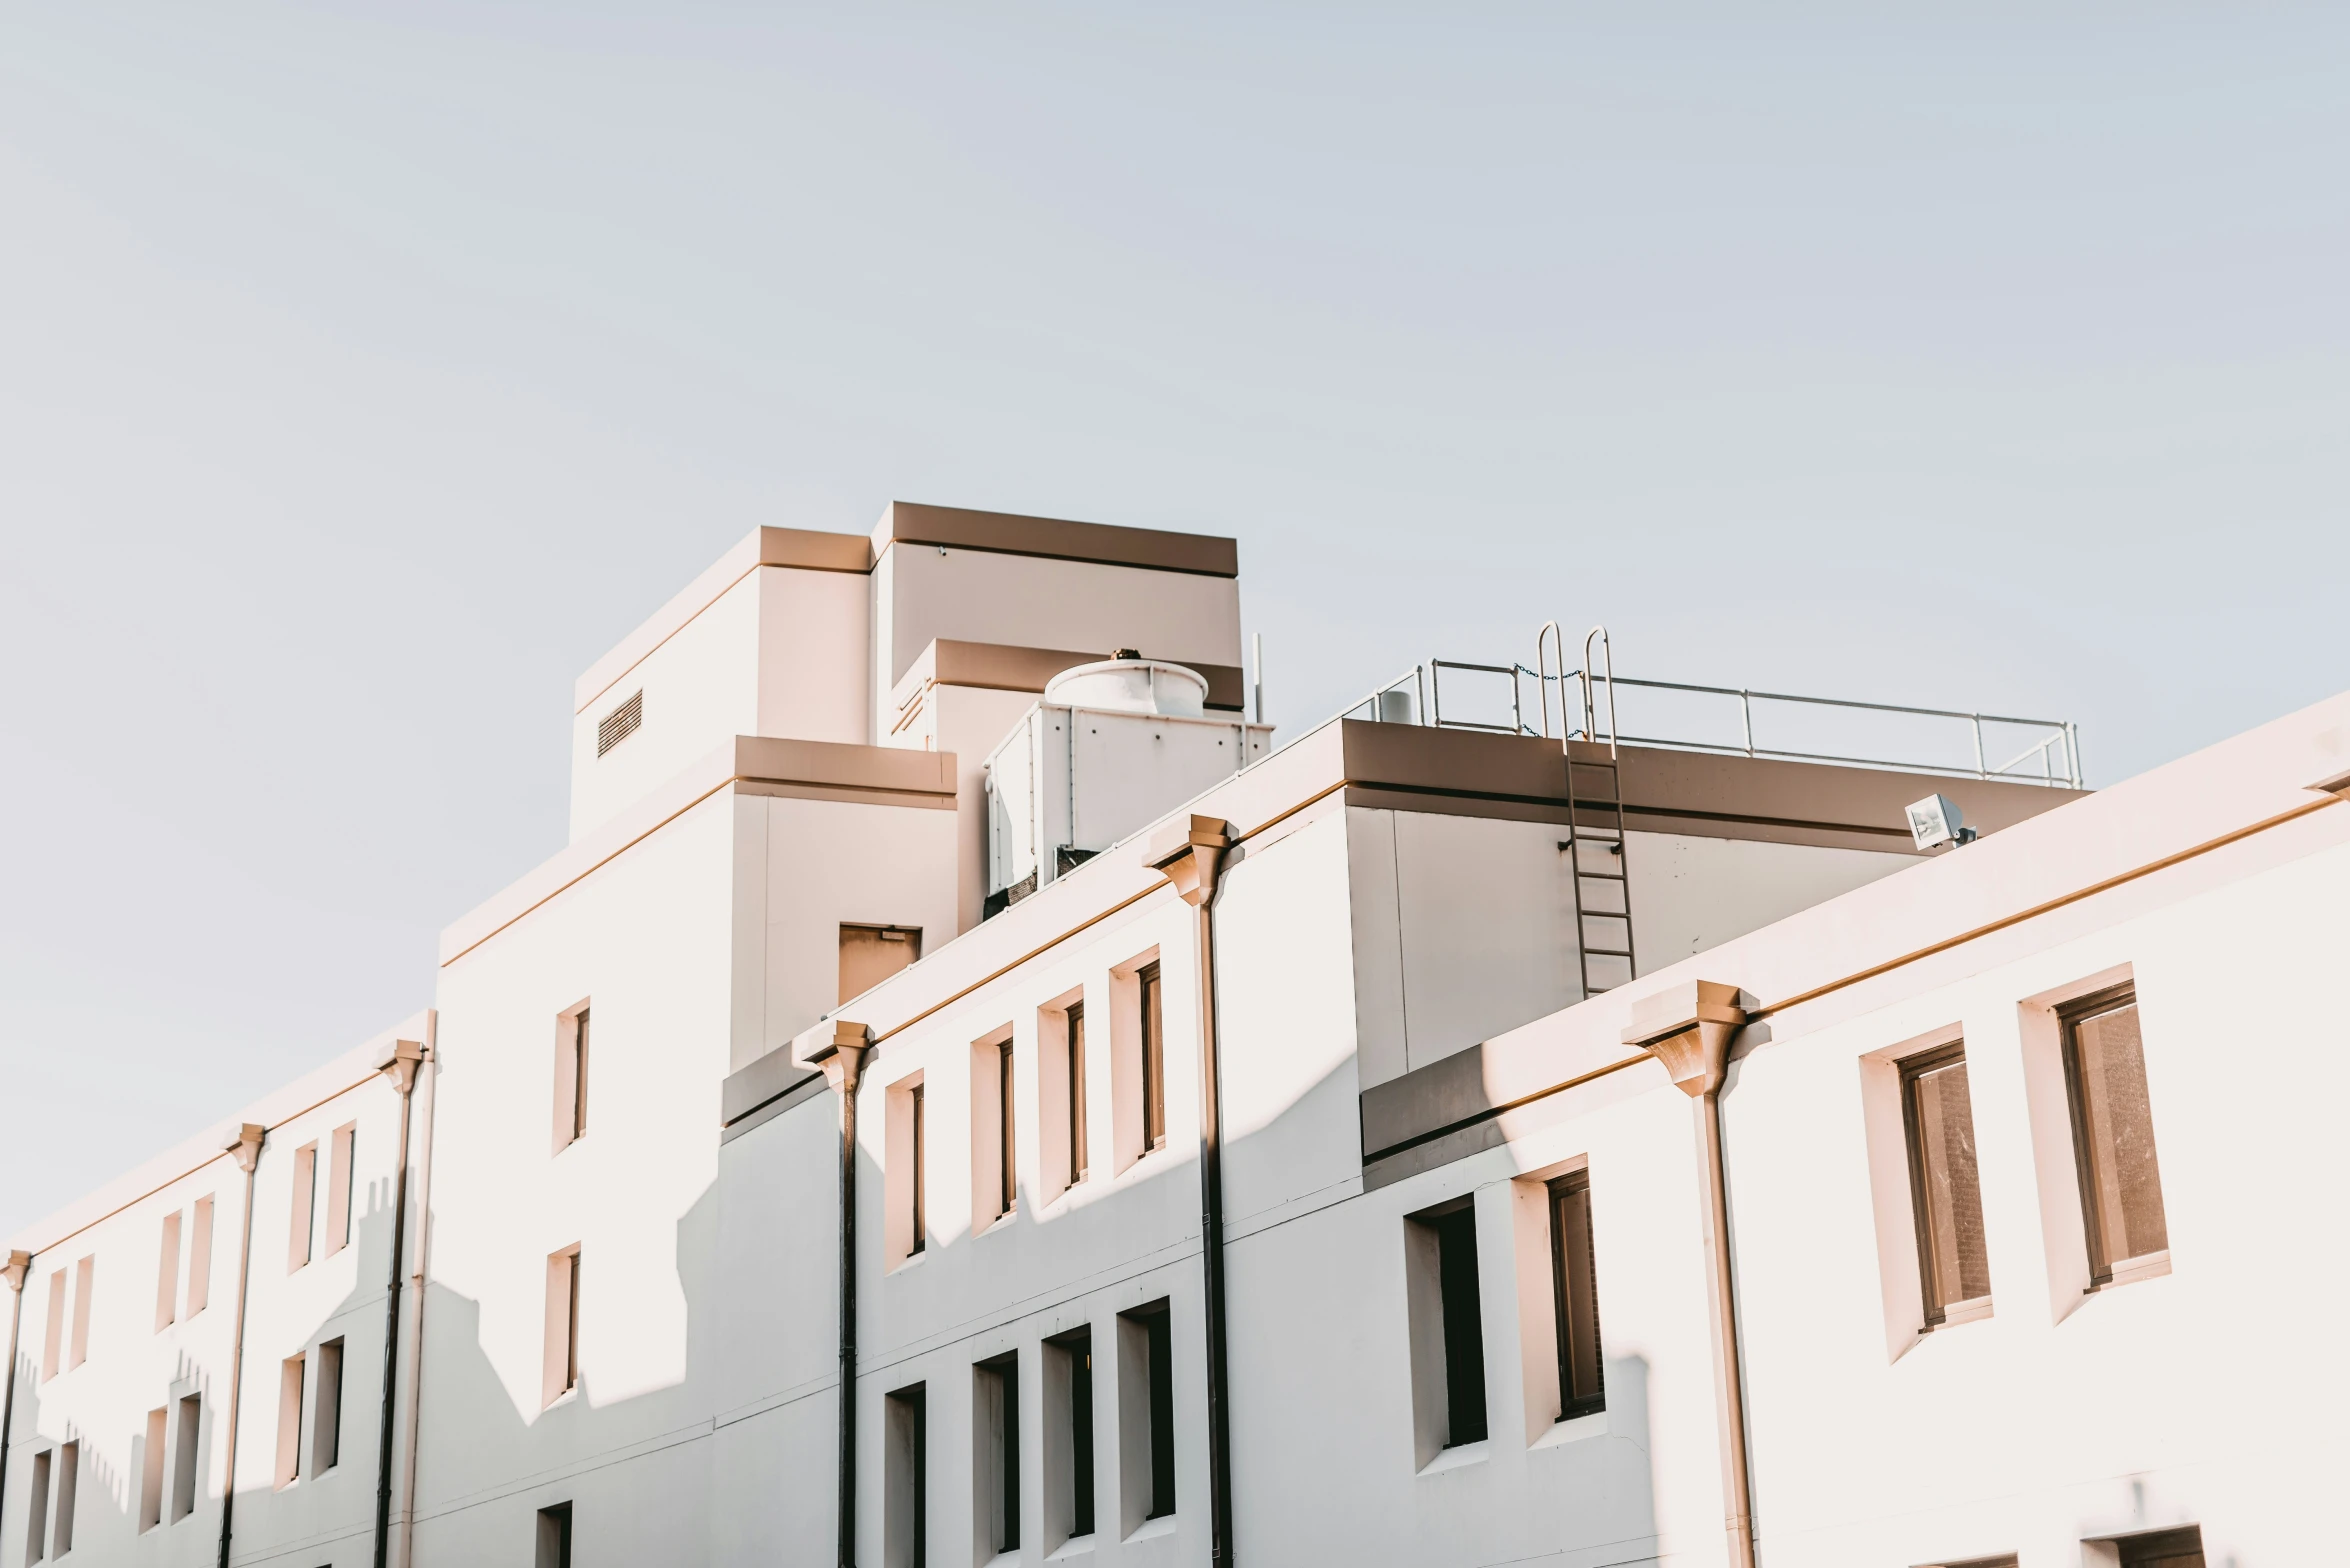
<point x="1211" y="1192"/>
<point x="852" y="1061"/>
<point x="250" y="1159"/>
<point x="404" y="1071"/>
<point x="19" y="1272"/>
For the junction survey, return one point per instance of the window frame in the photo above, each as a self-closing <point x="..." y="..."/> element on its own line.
<point x="2103" y="1266"/>
<point x="1937" y="1312"/>
<point x="1151" y="1031"/>
<point x="1073" y="1042"/>
<point x="1563" y="1280"/>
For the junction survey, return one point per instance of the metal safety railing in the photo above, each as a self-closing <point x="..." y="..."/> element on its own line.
<point x="2050" y="756"/>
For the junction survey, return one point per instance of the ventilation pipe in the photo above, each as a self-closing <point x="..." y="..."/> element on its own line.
<point x="1189" y="853"/>
<point x="1689" y="1029"/>
<point x="246" y="1148"/>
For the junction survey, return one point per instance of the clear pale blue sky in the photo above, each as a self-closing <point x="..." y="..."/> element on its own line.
<point x="365" y="371"/>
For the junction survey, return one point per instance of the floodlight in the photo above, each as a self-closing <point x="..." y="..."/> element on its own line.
<point x="1935" y="821"/>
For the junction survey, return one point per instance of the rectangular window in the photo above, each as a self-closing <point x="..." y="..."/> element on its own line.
<point x="571" y="1077"/>
<point x="151" y="1471"/>
<point x="302" y="1214"/>
<point x="1447" y="1328"/>
<point x="995" y="1182"/>
<point x="1154" y="1060"/>
<point x="1954" y="1266"/>
<point x="183" y="1457"/>
<point x="1007" y="1169"/>
<point x="562" y="1353"/>
<point x="2113" y="1133"/>
<point x="338" y="1188"/>
<point x="200" y="1258"/>
<point x="2166" y="1549"/>
<point x="289" y="1420"/>
<point x="995" y="1452"/>
<point x="554" y="1537"/>
<point x="1076" y="1090"/>
<point x="34" y="1541"/>
<point x="1069" y="1462"/>
<point x="326" y="1420"/>
<point x="918" y="1179"/>
<point x="905" y="1479"/>
<point x="871" y="954"/>
<point x="1574" y="1286"/>
<point x="1146" y="1411"/>
<point x="53" y="1339"/>
<point x="69" y="1482"/>
<point x="83" y="1277"/>
<point x="167" y="1274"/>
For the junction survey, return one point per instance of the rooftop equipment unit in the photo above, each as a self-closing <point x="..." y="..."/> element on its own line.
<point x="1110" y="749"/>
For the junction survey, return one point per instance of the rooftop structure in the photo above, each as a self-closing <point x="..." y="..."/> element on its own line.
<point x="968" y="1090"/>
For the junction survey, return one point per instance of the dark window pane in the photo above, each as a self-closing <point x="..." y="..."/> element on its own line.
<point x="1575" y="1296"/>
<point x="1953" y="1260"/>
<point x="1464" y="1329"/>
<point x="2113" y="1124"/>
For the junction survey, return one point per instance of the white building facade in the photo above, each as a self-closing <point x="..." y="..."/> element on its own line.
<point x="1421" y="1145"/>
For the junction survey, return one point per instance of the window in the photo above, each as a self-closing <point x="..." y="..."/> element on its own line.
<point x="1146" y="1412"/>
<point x="2166" y="1549"/>
<point x="1954" y="1266"/>
<point x="183" y="1457"/>
<point x="554" y="1537"/>
<point x="2113" y="1134"/>
<point x="151" y="1471"/>
<point x="919" y="1178"/>
<point x="1074" y="1048"/>
<point x="1154" y="1061"/>
<point x="167" y="1274"/>
<point x="1008" y="1183"/>
<point x="69" y="1479"/>
<point x="995" y="1453"/>
<point x="326" y="1421"/>
<point x="905" y="1479"/>
<point x="289" y="1421"/>
<point x="562" y="1353"/>
<point x="338" y="1188"/>
<point x="871" y="954"/>
<point x="1447" y="1328"/>
<point x="1068" y="1436"/>
<point x="33" y="1540"/>
<point x="304" y="1208"/>
<point x="82" y="1279"/>
<point x="995" y="1181"/>
<point x="1574" y="1287"/>
<point x="621" y="722"/>
<point x="53" y="1342"/>
<point x="571" y="1077"/>
<point x="200" y="1258"/>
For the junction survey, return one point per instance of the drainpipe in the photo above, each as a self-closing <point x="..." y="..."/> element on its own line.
<point x="432" y="1027"/>
<point x="18" y="1264"/>
<point x="1689" y="1029"/>
<point x="246" y="1147"/>
<point x="851" y="1043"/>
<point x="1189" y="854"/>
<point x="400" y="1067"/>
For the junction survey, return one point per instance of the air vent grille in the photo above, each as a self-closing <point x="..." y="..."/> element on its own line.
<point x="620" y="723"/>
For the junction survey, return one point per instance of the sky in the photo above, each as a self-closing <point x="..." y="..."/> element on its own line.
<point x="367" y="371"/>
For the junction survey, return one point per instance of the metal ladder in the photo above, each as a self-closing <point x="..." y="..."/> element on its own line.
<point x="1595" y="842"/>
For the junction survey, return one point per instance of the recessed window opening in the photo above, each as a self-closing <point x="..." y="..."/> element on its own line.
<point x="303" y="1212"/>
<point x="2113" y="1133"/>
<point x="289" y="1420"/>
<point x="200" y="1258"/>
<point x="995" y="1451"/>
<point x="326" y="1422"/>
<point x="1075" y="1046"/>
<point x="905" y="1478"/>
<point x="554" y="1537"/>
<point x="621" y="722"/>
<point x="571" y="1077"/>
<point x="1069" y="1444"/>
<point x="34" y="1539"/>
<point x="1954" y="1265"/>
<point x="69" y="1480"/>
<point x="1154" y="1059"/>
<point x="84" y="1275"/>
<point x="1007" y="1169"/>
<point x="918" y="1177"/>
<point x="151" y="1471"/>
<point x="1575" y="1297"/>
<point x="167" y="1274"/>
<point x="1447" y="1328"/>
<point x="2163" y="1549"/>
<point x="1146" y="1399"/>
<point x="53" y="1338"/>
<point x="871" y="954"/>
<point x="183" y="1456"/>
<point x="338" y="1187"/>
<point x="561" y="1372"/>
